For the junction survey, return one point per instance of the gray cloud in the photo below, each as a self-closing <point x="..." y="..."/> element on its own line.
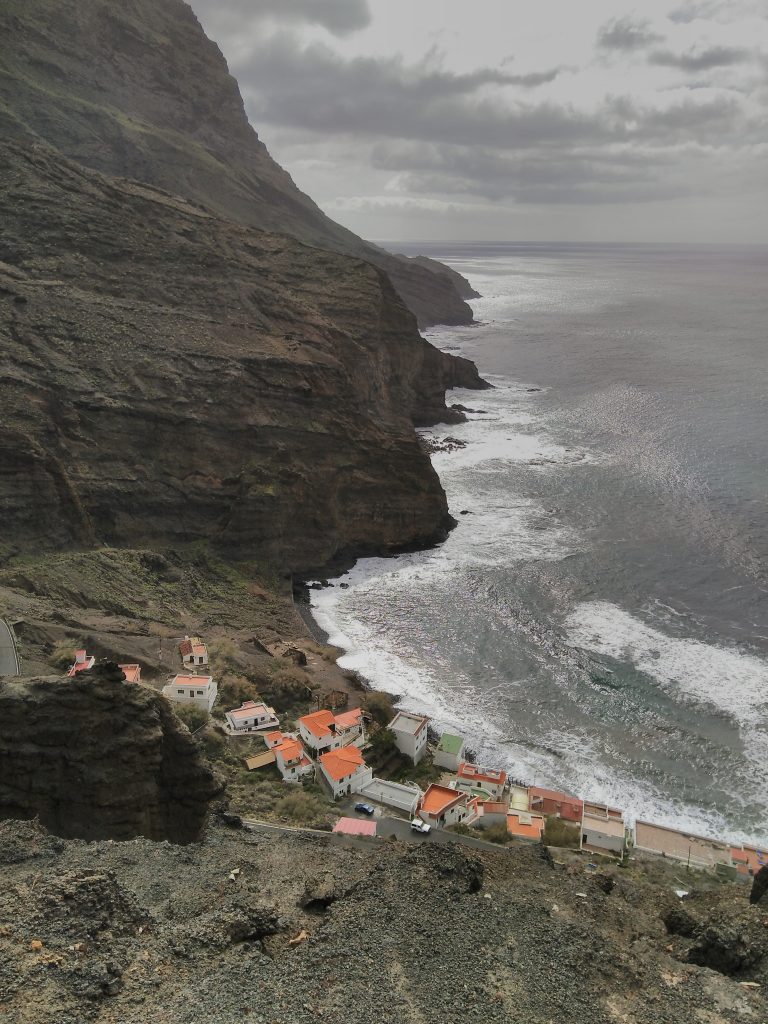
<point x="701" y="60"/>
<point x="717" y="10"/>
<point x="627" y="34"/>
<point x="339" y="16"/>
<point x="312" y="88"/>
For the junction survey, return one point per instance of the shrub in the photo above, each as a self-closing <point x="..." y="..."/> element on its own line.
<point x="288" y="686"/>
<point x="303" y="807"/>
<point x="63" y="654"/>
<point x="379" y="706"/>
<point x="192" y="716"/>
<point x="559" y="833"/>
<point x="497" y="834"/>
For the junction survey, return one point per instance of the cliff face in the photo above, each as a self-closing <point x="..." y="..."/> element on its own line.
<point x="170" y="377"/>
<point x="136" y="89"/>
<point x="94" y="758"/>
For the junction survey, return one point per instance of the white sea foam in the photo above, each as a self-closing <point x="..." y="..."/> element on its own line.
<point x="510" y="437"/>
<point x="734" y="682"/>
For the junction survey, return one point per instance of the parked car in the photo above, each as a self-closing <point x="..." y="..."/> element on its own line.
<point x="364" y="809"/>
<point x="421" y="826"/>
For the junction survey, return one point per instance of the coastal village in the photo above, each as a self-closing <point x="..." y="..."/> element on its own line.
<point x="331" y="748"/>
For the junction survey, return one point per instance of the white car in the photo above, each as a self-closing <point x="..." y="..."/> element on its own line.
<point x="421" y="826"/>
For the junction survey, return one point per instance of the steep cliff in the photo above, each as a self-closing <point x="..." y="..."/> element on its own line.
<point x="94" y="757"/>
<point x="136" y="89"/>
<point x="170" y="377"/>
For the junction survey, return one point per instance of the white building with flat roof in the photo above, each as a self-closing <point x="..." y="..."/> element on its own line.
<point x="410" y="734"/>
<point x="199" y="690"/>
<point x="251" y="716"/>
<point x="603" y="830"/>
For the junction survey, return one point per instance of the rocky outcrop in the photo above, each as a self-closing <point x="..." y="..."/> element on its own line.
<point x="170" y="377"/>
<point x="137" y="90"/>
<point x="93" y="757"/>
<point x="314" y="928"/>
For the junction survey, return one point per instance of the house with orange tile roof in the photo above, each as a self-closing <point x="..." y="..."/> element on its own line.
<point x="193" y="651"/>
<point x="251" y="717"/>
<point x="199" y="690"/>
<point x="524" y="825"/>
<point x="322" y="731"/>
<point x="488" y="783"/>
<point x="132" y="673"/>
<point x="549" y="802"/>
<point x="344" y="770"/>
<point x="442" y="806"/>
<point x="82" y="663"/>
<point x="410" y="734"/>
<point x="292" y="761"/>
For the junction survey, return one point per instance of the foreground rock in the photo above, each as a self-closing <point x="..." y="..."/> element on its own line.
<point x="93" y="757"/>
<point x="318" y="928"/>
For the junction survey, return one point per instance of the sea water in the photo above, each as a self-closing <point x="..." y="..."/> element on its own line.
<point x="598" y="620"/>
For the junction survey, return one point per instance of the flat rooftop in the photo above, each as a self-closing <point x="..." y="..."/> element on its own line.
<point x="404" y="721"/>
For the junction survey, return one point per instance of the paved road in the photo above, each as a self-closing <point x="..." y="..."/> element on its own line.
<point x="9" y="660"/>
<point x="386" y="827"/>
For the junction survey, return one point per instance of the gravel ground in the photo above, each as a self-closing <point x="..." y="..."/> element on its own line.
<point x="148" y="933"/>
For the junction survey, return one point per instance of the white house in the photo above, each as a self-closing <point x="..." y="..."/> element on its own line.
<point x="292" y="761"/>
<point x="403" y="796"/>
<point x="603" y="830"/>
<point x="83" y="661"/>
<point x="450" y="752"/>
<point x="442" y="806"/>
<point x="410" y="734"/>
<point x="487" y="783"/>
<point x="251" y="716"/>
<point x="344" y="770"/>
<point x="193" y="651"/>
<point x="199" y="690"/>
<point x="322" y="731"/>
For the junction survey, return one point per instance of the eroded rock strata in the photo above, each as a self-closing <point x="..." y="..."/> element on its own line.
<point x="94" y="757"/>
<point x="170" y="377"/>
<point x="137" y="90"/>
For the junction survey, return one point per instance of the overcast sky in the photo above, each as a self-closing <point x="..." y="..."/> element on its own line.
<point x="551" y="119"/>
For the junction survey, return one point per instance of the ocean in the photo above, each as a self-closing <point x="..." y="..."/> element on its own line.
<point x="598" y="620"/>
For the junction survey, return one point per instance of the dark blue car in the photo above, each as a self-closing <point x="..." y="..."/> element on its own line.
<point x="364" y="808"/>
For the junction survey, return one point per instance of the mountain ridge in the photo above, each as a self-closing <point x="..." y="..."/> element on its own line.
<point x="138" y="90"/>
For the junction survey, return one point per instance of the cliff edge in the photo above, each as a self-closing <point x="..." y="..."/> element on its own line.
<point x="137" y="90"/>
<point x="93" y="758"/>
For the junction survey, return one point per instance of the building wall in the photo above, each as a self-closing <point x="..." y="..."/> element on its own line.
<point x="412" y="745"/>
<point x="595" y="839"/>
<point x="471" y="786"/>
<point x="350" y="784"/>
<point x="393" y="794"/>
<point x="206" y="700"/>
<point x="449" y="761"/>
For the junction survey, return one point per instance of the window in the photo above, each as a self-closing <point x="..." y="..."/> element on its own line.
<point x="201" y="693"/>
<point x="181" y="693"/>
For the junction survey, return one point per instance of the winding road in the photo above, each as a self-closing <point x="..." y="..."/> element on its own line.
<point x="9" y="659"/>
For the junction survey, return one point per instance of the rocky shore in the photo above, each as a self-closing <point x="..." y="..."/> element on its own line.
<point x="294" y="928"/>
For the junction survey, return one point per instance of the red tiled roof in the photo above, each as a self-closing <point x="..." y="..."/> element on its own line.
<point x="185" y="647"/>
<point x="132" y="673"/>
<point x="342" y="762"/>
<point x="439" y="798"/>
<point x="491" y="775"/>
<point x="349" y="719"/>
<point x="318" y="723"/>
<point x="289" y="750"/>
